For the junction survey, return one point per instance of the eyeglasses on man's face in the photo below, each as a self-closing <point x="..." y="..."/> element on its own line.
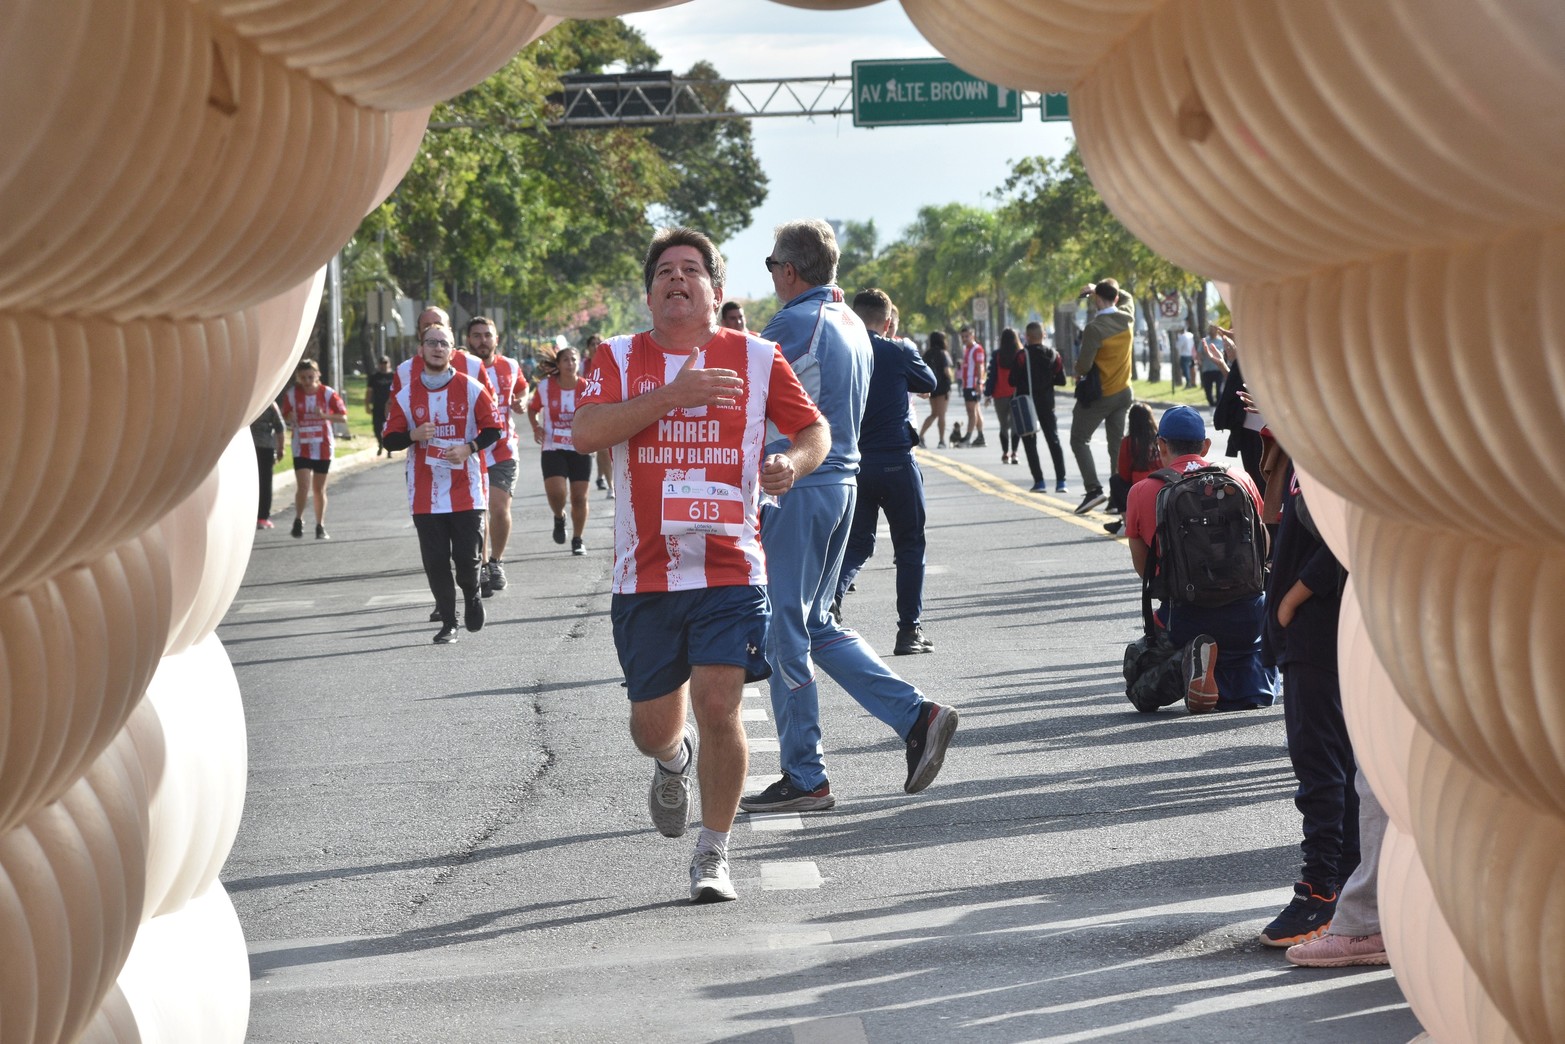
<point x="432" y="342"/>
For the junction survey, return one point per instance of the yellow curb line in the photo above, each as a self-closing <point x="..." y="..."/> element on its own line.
<point x="987" y="482"/>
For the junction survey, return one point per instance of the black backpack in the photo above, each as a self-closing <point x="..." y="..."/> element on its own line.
<point x="1211" y="545"/>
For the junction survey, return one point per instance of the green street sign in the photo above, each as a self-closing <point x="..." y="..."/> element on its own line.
<point x="888" y="93"/>
<point x="1054" y="107"/>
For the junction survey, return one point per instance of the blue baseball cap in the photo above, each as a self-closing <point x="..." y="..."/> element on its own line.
<point x="1181" y="424"/>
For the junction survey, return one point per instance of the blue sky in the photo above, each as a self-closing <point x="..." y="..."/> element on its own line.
<point x="828" y="168"/>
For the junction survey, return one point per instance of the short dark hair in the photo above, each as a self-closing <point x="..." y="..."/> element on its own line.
<point x="1183" y="447"/>
<point x="731" y="306"/>
<point x="683" y="236"/>
<point x="307" y="364"/>
<point x="1035" y="330"/>
<point x="1107" y="290"/>
<point x="481" y="319"/>
<point x="964" y="328"/>
<point x="810" y="246"/>
<point x="874" y="307"/>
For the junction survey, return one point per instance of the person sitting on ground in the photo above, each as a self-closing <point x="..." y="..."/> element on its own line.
<point x="1222" y="643"/>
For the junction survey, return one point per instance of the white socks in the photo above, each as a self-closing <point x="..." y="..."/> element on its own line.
<point x="679" y="762"/>
<point x="713" y="841"/>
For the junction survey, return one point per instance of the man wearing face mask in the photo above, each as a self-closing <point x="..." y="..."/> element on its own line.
<point x="448" y="420"/>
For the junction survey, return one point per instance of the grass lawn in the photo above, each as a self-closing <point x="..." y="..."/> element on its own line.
<point x="1161" y="391"/>
<point x="359" y="426"/>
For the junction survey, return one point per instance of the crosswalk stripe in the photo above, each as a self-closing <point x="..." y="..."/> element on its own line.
<point x="752" y="714"/>
<point x="774" y="821"/>
<point x="274" y="605"/>
<point x="788" y="875"/>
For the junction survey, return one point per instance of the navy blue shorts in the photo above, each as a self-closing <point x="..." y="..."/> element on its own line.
<point x="660" y="636"/>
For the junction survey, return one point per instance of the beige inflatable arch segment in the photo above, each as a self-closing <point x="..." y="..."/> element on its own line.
<point x="185" y="171"/>
<point x="1383" y="183"/>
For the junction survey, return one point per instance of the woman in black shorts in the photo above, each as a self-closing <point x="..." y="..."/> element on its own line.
<point x="939" y="360"/>
<point x="554" y="401"/>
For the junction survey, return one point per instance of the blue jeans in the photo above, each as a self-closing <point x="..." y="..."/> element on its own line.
<point x="805" y="536"/>
<point x="896" y="485"/>
<point x="1242" y="682"/>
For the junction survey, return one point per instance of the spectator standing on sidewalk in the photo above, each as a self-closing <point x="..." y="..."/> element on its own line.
<point x="1184" y="351"/>
<point x="806" y="535"/>
<point x="1213" y="365"/>
<point x="377" y="392"/>
<point x="266" y="431"/>
<point x="446" y="419"/>
<point x="889" y="478"/>
<point x="1104" y="355"/>
<point x="998" y="390"/>
<point x="974" y="371"/>
<point x="1037" y="371"/>
<point x="310" y="408"/>
<point x="1305" y="598"/>
<point x="938" y="359"/>
<point x="685" y="407"/>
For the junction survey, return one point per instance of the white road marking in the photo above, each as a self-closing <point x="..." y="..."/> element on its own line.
<point x="274" y="605"/>
<point x="752" y="714"/>
<point x="400" y="598"/>
<point x="794" y="940"/>
<point x="790" y="875"/>
<point x="772" y="821"/>
<point x="764" y="744"/>
<point x="753" y="692"/>
<point x="754" y="784"/>
<point x="846" y="1029"/>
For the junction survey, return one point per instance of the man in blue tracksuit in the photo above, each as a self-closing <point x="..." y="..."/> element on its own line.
<point x="805" y="536"/>
<point x="889" y="478"/>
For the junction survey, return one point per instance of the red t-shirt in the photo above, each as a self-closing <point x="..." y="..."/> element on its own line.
<point x="461" y="410"/>
<point x="1141" y="504"/>
<point x="686" y="514"/>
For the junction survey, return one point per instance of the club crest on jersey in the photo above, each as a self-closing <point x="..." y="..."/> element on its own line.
<point x="647" y="384"/>
<point x="418" y="414"/>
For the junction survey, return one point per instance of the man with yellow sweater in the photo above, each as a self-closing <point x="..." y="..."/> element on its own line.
<point x="1105" y="353"/>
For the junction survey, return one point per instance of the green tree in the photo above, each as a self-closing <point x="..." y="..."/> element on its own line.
<point x="719" y="181"/>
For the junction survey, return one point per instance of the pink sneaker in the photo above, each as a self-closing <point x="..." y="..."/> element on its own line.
<point x="1339" y="951"/>
<point x="263" y="523"/>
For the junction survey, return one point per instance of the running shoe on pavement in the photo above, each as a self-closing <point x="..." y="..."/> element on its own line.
<point x="669" y="798"/>
<point x="912" y="641"/>
<point x="446" y="634"/>
<point x="1199" y="665"/>
<point x="1306" y="918"/>
<point x="474" y="616"/>
<point x="927" y="743"/>
<point x="298" y="527"/>
<point x="1339" y="951"/>
<point x="497" y="574"/>
<point x="577" y="547"/>
<point x="320" y="532"/>
<point x="485" y="588"/>
<point x="559" y="529"/>
<point x="709" y="880"/>
<point x="1039" y="487"/>
<point x="783" y="796"/>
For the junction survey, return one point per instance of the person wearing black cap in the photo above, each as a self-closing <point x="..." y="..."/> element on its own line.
<point x="1222" y="643"/>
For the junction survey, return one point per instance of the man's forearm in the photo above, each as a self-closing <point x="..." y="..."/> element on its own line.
<point x="809" y="448"/>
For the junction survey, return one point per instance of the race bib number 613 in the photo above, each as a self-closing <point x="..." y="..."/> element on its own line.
<point x="698" y="506"/>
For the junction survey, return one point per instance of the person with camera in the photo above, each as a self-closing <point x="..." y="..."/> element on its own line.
<point x="1103" y="370"/>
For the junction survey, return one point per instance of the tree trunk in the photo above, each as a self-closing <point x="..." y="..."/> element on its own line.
<point x="1154" y="349"/>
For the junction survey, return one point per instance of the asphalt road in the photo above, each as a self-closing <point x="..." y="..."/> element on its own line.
<point x="452" y="844"/>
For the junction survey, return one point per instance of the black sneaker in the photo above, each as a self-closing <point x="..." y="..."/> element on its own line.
<point x="979" y="441"/>
<point x="912" y="641"/>
<point x="320" y="532"/>
<point x="1306" y="918"/>
<point x="577" y="547"/>
<point x="1114" y="527"/>
<point x="434" y="615"/>
<point x="1093" y="498"/>
<point x="783" y="796"/>
<point x="447" y="634"/>
<point x="485" y="588"/>
<point x="927" y="743"/>
<point x="496" y="574"/>
<point x="836" y="610"/>
<point x="298" y="527"/>
<point x="474" y="616"/>
<point x="559" y="529"/>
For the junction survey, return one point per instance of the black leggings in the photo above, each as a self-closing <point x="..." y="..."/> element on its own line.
<point x="1046" y="426"/>
<point x="265" y="458"/>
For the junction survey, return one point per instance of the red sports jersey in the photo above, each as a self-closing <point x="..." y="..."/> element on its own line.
<point x="972" y="362"/>
<point x="503" y="378"/>
<point x="558" y="407"/>
<point x="309" y="415"/>
<point x="462" y="362"/>
<point x="460" y="410"/>
<point x="687" y="511"/>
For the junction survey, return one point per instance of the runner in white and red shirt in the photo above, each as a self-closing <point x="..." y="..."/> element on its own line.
<point x="445" y="420"/>
<point x="973" y="370"/>
<point x="685" y="407"/>
<point x="551" y="411"/>
<point x="310" y="407"/>
<point x="509" y="388"/>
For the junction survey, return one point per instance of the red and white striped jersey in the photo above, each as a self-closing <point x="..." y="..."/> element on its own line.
<point x="503" y="378"/>
<point x="687" y="511"/>
<point x="972" y="363"/>
<point x="465" y="363"/>
<point x="460" y="411"/>
<point x="557" y="407"/>
<point x="309" y="415"/>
